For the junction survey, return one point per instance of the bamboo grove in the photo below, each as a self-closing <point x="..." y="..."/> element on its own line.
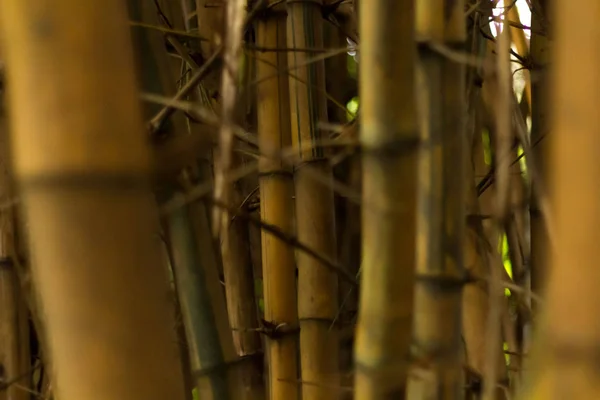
<point x="299" y="199"/>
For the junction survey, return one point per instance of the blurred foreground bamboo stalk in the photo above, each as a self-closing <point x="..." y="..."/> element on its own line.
<point x="389" y="137"/>
<point x="81" y="166"/>
<point x="564" y="364"/>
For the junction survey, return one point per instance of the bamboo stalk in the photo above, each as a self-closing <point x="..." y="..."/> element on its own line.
<point x="441" y="221"/>
<point x="235" y="13"/>
<point x="276" y="207"/>
<point x="201" y="299"/>
<point x="475" y="296"/>
<point x="241" y="303"/>
<point x="155" y="74"/>
<point x="235" y="240"/>
<point x="563" y="363"/>
<point x="540" y="54"/>
<point x="498" y="80"/>
<point x="82" y="175"/>
<point x="14" y="345"/>
<point x="315" y="216"/>
<point x="389" y="136"/>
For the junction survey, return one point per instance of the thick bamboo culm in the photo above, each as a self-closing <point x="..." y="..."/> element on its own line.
<point x="441" y="221"/>
<point x="564" y="362"/>
<point x="277" y="207"/>
<point x="315" y="216"/>
<point x="81" y="165"/>
<point x="389" y="137"/>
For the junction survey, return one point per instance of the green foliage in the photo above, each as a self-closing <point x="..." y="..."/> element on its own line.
<point x="503" y="248"/>
<point x="352" y="66"/>
<point x="352" y="108"/>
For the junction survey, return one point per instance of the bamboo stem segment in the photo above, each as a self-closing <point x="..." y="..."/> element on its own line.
<point x="564" y="361"/>
<point x="315" y="217"/>
<point x="389" y="137"/>
<point x="276" y="207"/>
<point x="202" y="304"/>
<point x="81" y="165"/>
<point x="441" y="216"/>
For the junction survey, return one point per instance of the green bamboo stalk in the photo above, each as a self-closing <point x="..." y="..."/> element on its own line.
<point x="389" y="136"/>
<point x="153" y="64"/>
<point x="315" y="217"/>
<point x="82" y="175"/>
<point x="196" y="286"/>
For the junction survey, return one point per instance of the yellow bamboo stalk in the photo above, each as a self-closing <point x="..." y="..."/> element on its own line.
<point x="276" y="207"/>
<point x="441" y="221"/>
<point x="81" y="165"/>
<point x="564" y="365"/>
<point x="389" y="136"/>
<point x="315" y="216"/>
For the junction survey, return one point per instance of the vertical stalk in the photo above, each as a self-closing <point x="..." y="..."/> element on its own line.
<point x="475" y="296"/>
<point x="14" y="346"/>
<point x="202" y="304"/>
<point x="563" y="364"/>
<point x="276" y="206"/>
<point x="389" y="138"/>
<point x="82" y="176"/>
<point x="241" y="303"/>
<point x="441" y="223"/>
<point x="315" y="217"/>
<point x="540" y="92"/>
<point x="235" y="246"/>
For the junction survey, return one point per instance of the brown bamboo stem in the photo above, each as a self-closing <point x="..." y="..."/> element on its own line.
<point x="563" y="363"/>
<point x="540" y="54"/>
<point x="14" y="345"/>
<point x="389" y="136"/>
<point x="82" y="167"/>
<point x="241" y="303"/>
<point x="315" y="216"/>
<point x="277" y="207"/>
